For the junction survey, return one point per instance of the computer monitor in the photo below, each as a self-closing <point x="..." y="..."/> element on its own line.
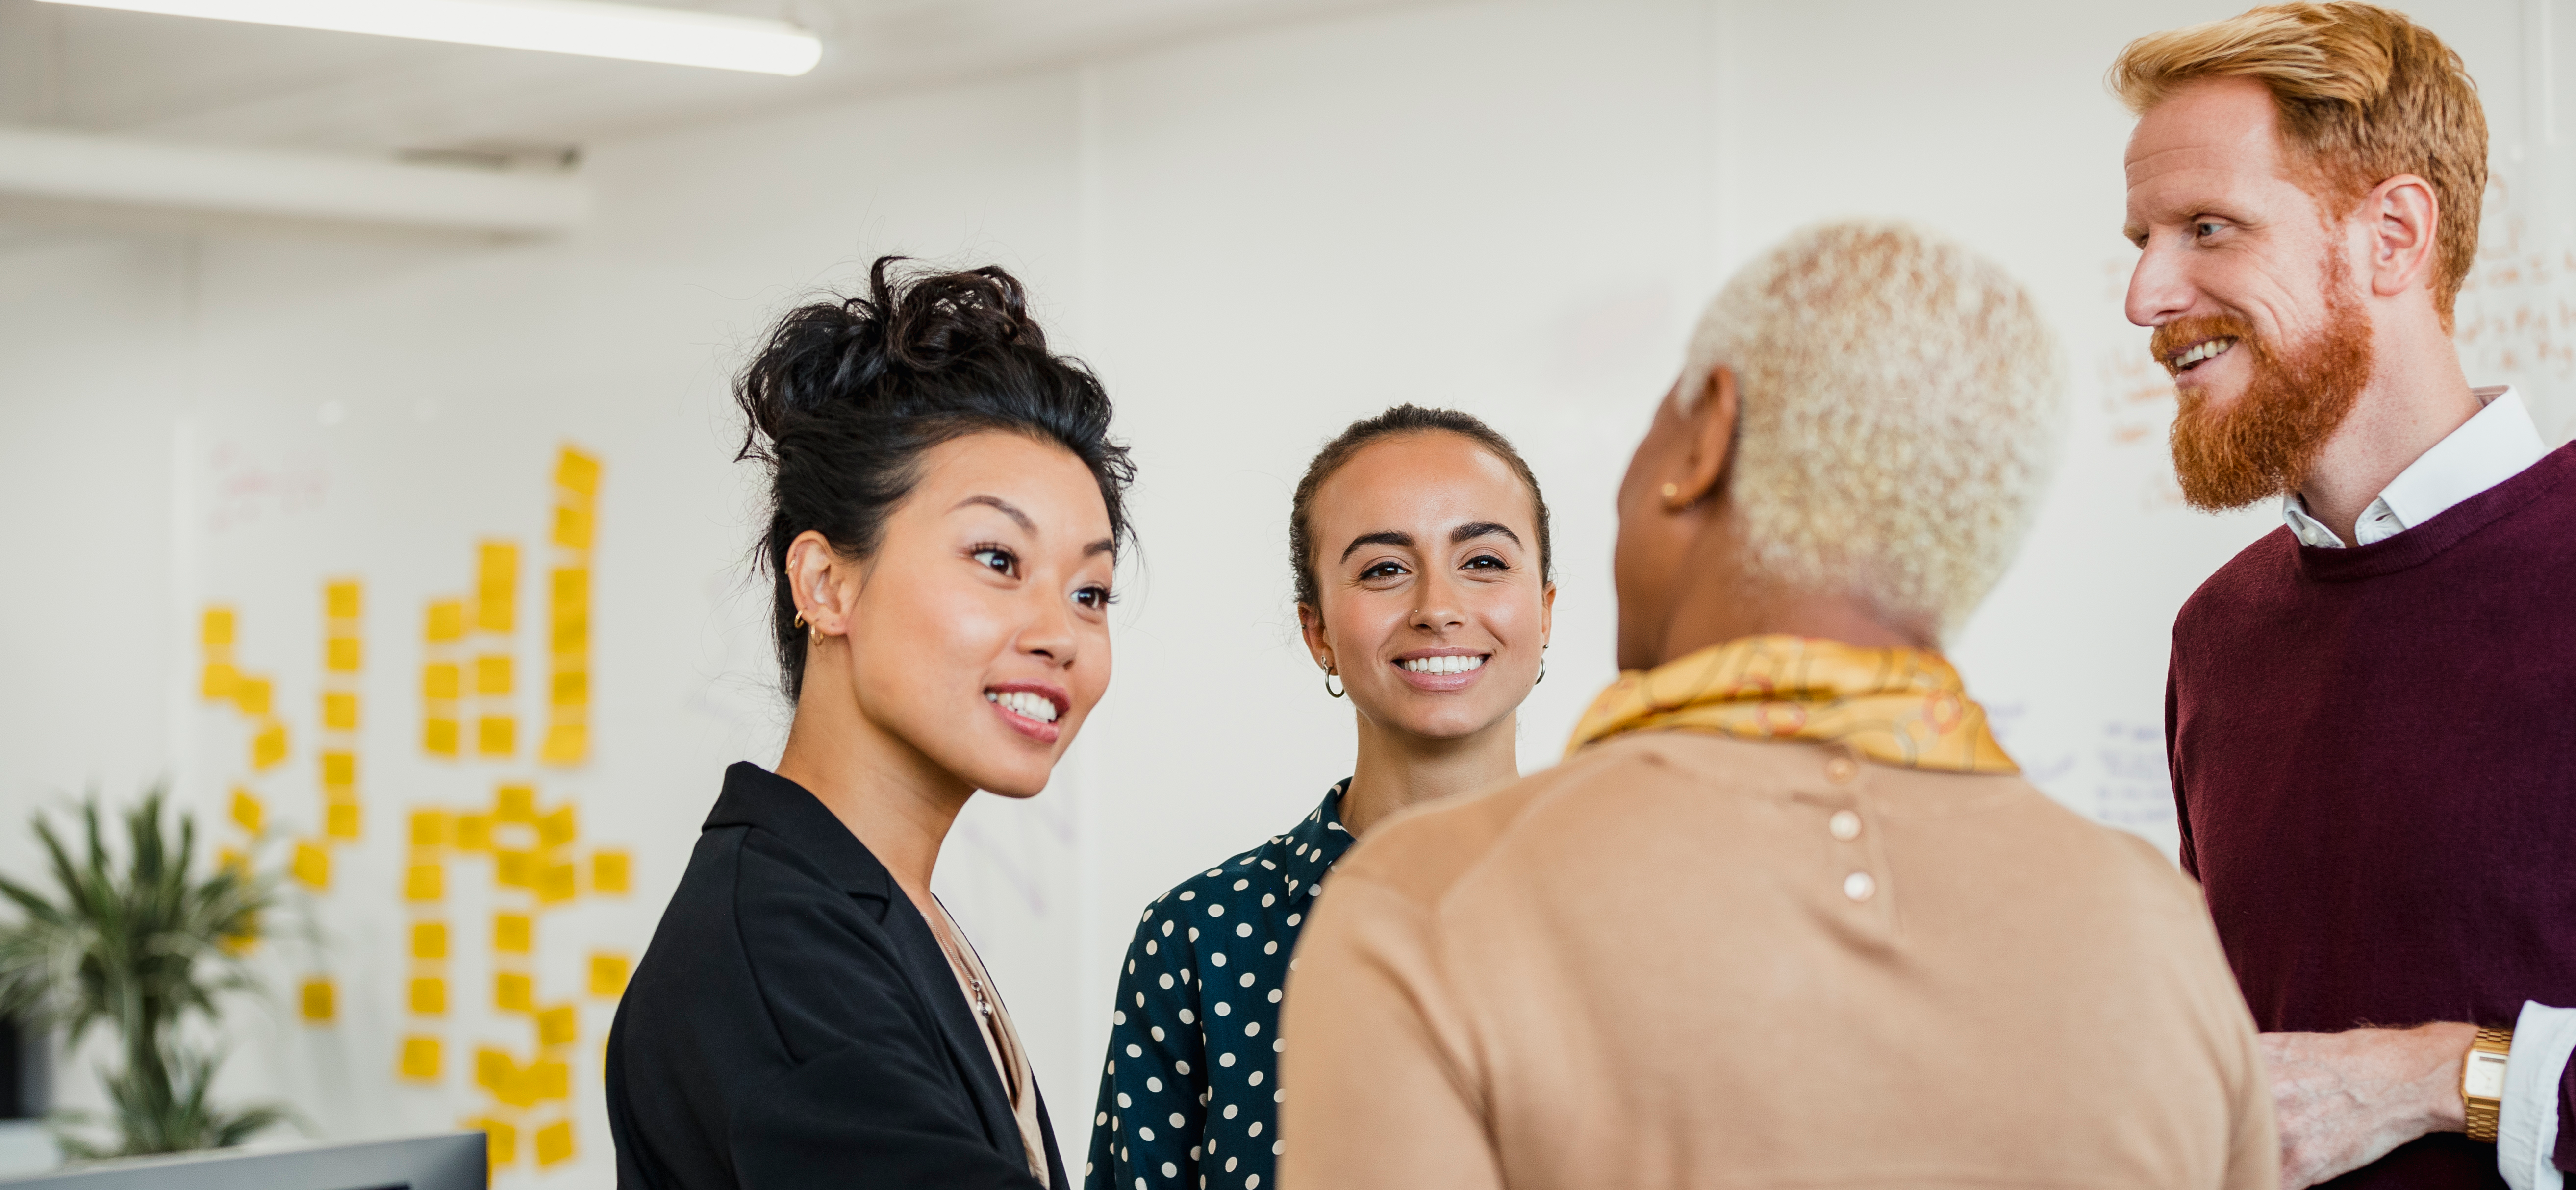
<point x="450" y="1161"/>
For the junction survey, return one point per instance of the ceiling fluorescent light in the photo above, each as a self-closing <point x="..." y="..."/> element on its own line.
<point x="630" y="31"/>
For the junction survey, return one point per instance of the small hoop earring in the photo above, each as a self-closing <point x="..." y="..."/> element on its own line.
<point x="1542" y="670"/>
<point x="800" y="619"/>
<point x="1672" y="491"/>
<point x="1328" y="683"/>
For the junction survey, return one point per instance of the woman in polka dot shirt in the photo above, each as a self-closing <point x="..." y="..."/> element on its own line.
<point x="1420" y="545"/>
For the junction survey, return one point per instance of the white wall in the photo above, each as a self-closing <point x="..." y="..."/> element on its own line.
<point x="1514" y="207"/>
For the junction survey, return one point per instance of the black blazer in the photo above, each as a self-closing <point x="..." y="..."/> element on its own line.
<point x="795" y="1023"/>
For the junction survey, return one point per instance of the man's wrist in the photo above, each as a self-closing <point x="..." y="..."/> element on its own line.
<point x="2445" y="1050"/>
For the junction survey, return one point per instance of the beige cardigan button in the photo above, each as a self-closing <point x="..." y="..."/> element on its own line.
<point x="1859" y="886"/>
<point x="1844" y="824"/>
<point x="1841" y="769"/>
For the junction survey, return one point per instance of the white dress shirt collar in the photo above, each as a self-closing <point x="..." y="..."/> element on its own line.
<point x="2491" y="447"/>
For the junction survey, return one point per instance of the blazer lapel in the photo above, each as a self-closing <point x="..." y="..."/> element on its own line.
<point x="926" y="965"/>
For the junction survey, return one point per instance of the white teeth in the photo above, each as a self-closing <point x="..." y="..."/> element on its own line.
<point x="1443" y="665"/>
<point x="1022" y="702"/>
<point x="2209" y="350"/>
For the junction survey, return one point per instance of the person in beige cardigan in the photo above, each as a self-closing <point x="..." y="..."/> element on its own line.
<point x="1787" y="915"/>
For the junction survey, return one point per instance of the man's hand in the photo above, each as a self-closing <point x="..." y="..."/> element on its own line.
<point x="2345" y="1099"/>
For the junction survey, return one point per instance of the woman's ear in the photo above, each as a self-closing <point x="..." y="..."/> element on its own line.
<point x="1709" y="428"/>
<point x="1310" y="624"/>
<point x="820" y="583"/>
<point x="1546" y="614"/>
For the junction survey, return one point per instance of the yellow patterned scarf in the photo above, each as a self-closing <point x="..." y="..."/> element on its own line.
<point x="1897" y="706"/>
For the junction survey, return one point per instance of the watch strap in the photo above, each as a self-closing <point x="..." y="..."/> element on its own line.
<point x="2484" y="1114"/>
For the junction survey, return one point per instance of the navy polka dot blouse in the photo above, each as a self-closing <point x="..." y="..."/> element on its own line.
<point x="1190" y="1097"/>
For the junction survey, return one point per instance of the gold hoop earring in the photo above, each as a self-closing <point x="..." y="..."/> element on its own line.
<point x="1328" y="682"/>
<point x="1542" y="670"/>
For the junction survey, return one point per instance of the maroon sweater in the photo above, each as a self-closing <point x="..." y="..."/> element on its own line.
<point x="2374" y="761"/>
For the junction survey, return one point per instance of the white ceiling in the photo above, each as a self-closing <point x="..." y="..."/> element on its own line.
<point x="92" y="70"/>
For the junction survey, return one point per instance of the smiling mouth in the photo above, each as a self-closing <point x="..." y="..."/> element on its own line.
<point x="2197" y="354"/>
<point x="1445" y="665"/>
<point x="1025" y="703"/>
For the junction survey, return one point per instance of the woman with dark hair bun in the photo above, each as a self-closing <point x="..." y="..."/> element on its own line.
<point x="946" y="508"/>
<point x="1419" y="544"/>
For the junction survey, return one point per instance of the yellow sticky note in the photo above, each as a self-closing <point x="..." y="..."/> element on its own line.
<point x="343" y="654"/>
<point x="566" y="743"/>
<point x="514" y="803"/>
<point x="554" y="1142"/>
<point x="608" y="973"/>
<point x="557" y="827"/>
<point x="442" y="680"/>
<point x="429" y="828"/>
<point x="429" y="940"/>
<point x="571" y="688"/>
<point x="494" y="1069"/>
<point x="221" y="682"/>
<point x="514" y="869"/>
<point x="504" y="1142"/>
<point x="340" y="819"/>
<point x="268" y="748"/>
<point x="557" y="883"/>
<point x="425" y="883"/>
<point x="311" y="866"/>
<point x="429" y="996"/>
<point x="438" y="736"/>
<point x="572" y="526"/>
<point x="244" y="937"/>
<point x="569" y="634"/>
<point x="339" y="711"/>
<point x="473" y="832"/>
<point x="513" y="992"/>
<point x="251" y="695"/>
<point x="610" y="871"/>
<point x="496" y="586"/>
<point x="492" y="674"/>
<point x="446" y="621"/>
<point x="216" y="628"/>
<point x="421" y="1058"/>
<point x="559" y="1025"/>
<point x="496" y="735"/>
<point x="339" y="769"/>
<point x="577" y="472"/>
<point x="340" y="599"/>
<point x="512" y="933"/>
<point x="248" y="811"/>
<point x="570" y="586"/>
<point x="548" y="1078"/>
<point x="318" y="1001"/>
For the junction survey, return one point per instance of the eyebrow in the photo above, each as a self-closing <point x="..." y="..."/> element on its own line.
<point x="1381" y="537"/>
<point x="1106" y="545"/>
<point x="1466" y="532"/>
<point x="1005" y="507"/>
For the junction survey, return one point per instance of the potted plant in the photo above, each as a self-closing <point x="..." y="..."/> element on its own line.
<point x="138" y="946"/>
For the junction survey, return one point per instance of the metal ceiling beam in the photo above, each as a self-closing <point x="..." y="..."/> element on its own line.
<point x="117" y="172"/>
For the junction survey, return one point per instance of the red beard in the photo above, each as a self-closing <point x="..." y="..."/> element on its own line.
<point x="2264" y="443"/>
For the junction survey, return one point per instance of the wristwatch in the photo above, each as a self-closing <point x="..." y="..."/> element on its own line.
<point x="2482" y="1082"/>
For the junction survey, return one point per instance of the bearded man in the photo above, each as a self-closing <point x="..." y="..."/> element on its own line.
<point x="2371" y="712"/>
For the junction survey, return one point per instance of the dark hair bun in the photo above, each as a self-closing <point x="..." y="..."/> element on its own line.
<point x="846" y="395"/>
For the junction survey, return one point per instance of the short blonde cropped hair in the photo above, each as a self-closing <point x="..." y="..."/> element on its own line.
<point x="1900" y="399"/>
<point x="2364" y="95"/>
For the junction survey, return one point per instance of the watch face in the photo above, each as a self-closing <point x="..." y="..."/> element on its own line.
<point x="2485" y="1076"/>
